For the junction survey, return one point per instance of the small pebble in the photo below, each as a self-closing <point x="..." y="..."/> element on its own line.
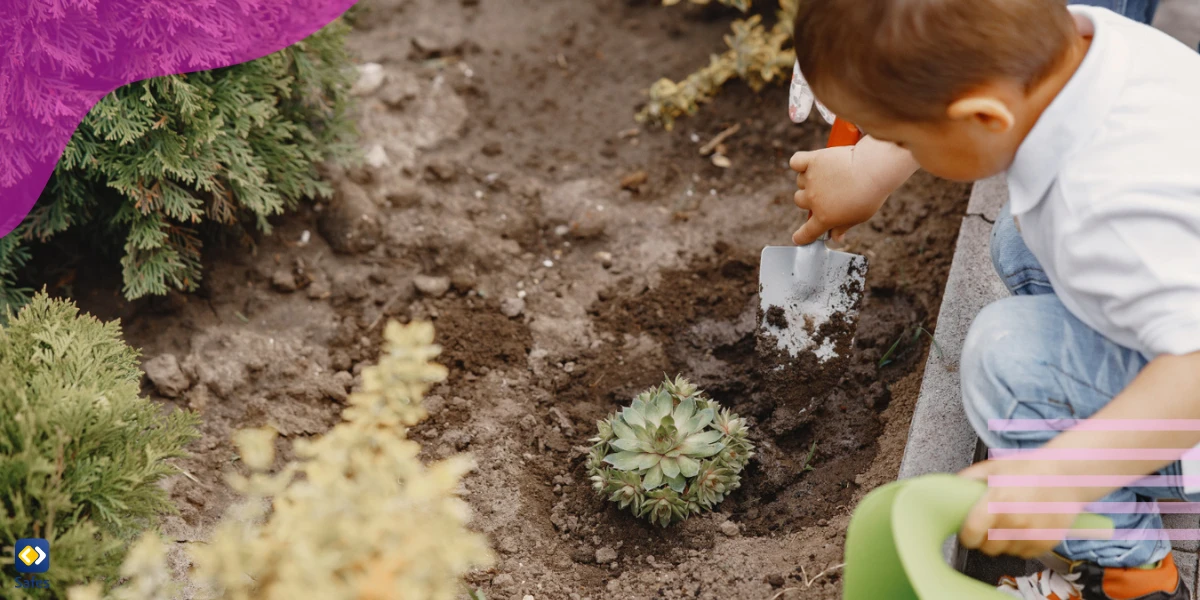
<point x="561" y="230"/>
<point x="377" y="157"/>
<point x="606" y="555"/>
<point x="547" y="263"/>
<point x="521" y="294"/>
<point x="432" y="286"/>
<point x="284" y="280"/>
<point x="513" y="307"/>
<point x="605" y="258"/>
<point x="370" y="78"/>
<point x="775" y="579"/>
<point x="503" y="580"/>
<point x="634" y="180"/>
<point x="730" y="529"/>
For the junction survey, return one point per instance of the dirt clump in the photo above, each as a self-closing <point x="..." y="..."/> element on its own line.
<point x="776" y="317"/>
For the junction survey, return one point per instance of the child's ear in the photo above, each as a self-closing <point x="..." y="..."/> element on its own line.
<point x="988" y="111"/>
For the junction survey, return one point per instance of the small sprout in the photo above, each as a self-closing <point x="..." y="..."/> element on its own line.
<point x="808" y="460"/>
<point x="672" y="453"/>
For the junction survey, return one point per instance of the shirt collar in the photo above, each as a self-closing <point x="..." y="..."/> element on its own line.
<point x="1076" y="114"/>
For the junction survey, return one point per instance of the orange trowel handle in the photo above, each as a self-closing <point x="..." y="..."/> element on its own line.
<point x="844" y="134"/>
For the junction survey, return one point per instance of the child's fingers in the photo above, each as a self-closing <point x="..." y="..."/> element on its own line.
<point x="800" y="161"/>
<point x="1031" y="549"/>
<point x="974" y="529"/>
<point x="978" y="471"/>
<point x="802" y="200"/>
<point x="809" y="232"/>
<point x="801" y="181"/>
<point x="839" y="234"/>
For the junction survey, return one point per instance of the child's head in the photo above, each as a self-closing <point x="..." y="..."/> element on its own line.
<point x="953" y="81"/>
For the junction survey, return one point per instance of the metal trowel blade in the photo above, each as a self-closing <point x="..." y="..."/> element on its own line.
<point x="804" y="287"/>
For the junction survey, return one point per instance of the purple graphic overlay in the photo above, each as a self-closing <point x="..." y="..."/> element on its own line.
<point x="58" y="58"/>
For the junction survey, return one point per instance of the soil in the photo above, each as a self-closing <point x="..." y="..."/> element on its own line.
<point x="568" y="261"/>
<point x="776" y="317"/>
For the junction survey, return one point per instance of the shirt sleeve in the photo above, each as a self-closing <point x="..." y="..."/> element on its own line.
<point x="1134" y="256"/>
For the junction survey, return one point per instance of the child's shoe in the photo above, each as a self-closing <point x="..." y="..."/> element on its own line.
<point x="1089" y="581"/>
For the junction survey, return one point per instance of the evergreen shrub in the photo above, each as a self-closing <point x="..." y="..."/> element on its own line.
<point x="81" y="453"/>
<point x="159" y="165"/>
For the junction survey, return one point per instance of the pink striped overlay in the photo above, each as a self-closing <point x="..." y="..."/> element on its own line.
<point x="1101" y="508"/>
<point x="1090" y="454"/>
<point x="1094" y="424"/>
<point x="1043" y="535"/>
<point x="1102" y="481"/>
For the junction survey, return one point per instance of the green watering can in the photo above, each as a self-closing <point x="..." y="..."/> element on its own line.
<point x="894" y="543"/>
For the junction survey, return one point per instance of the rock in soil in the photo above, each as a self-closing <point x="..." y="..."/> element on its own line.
<point x="164" y="372"/>
<point x="370" y="77"/>
<point x="284" y="280"/>
<point x="441" y="170"/>
<point x="377" y="157"/>
<point x="351" y="221"/>
<point x="512" y="307"/>
<point x="634" y="181"/>
<point x="606" y="555"/>
<point x="729" y="528"/>
<point x="435" y="287"/>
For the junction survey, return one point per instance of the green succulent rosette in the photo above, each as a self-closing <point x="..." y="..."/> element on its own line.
<point x="673" y="453"/>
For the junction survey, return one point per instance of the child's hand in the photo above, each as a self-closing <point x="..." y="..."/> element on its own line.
<point x="845" y="185"/>
<point x="974" y="533"/>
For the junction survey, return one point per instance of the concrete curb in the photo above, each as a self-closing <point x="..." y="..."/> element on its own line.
<point x="940" y="440"/>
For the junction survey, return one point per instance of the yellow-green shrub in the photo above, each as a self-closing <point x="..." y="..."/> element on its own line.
<point x="756" y="55"/>
<point x="357" y="515"/>
<point x="82" y="453"/>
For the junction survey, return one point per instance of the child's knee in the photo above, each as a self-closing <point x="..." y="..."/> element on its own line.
<point x="999" y="364"/>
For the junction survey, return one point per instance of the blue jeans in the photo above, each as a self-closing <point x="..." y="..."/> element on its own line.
<point x="1027" y="357"/>
<point x="1138" y="10"/>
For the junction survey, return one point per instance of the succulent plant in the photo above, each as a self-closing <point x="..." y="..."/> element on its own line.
<point x="672" y="453"/>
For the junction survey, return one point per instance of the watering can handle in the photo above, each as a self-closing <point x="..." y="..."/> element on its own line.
<point x="895" y="540"/>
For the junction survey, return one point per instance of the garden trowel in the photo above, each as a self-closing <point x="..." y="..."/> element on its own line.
<point x="809" y="295"/>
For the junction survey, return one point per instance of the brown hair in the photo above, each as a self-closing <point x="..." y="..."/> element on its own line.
<point x="910" y="59"/>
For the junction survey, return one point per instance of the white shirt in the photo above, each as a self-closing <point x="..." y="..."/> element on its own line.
<point x="1106" y="187"/>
